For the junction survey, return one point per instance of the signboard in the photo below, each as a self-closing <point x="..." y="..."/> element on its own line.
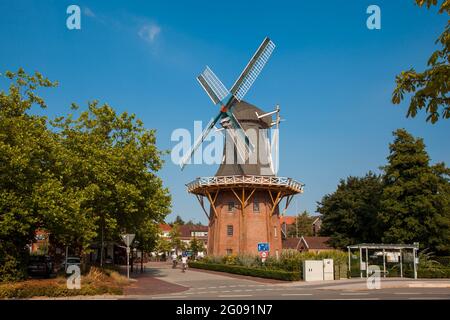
<point x="128" y="239"/>
<point x="263" y="254"/>
<point x="189" y="253"/>
<point x="263" y="246"/>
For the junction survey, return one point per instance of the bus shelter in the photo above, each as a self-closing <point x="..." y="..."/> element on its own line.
<point x="385" y="250"/>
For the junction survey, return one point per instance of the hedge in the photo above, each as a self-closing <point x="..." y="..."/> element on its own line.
<point x="24" y="290"/>
<point x="433" y="273"/>
<point x="246" y="271"/>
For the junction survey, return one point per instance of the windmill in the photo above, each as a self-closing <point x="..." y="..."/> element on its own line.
<point x="245" y="197"/>
<point x="226" y="99"/>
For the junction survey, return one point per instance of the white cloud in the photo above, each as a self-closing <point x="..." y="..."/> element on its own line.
<point x="149" y="32"/>
<point x="88" y="12"/>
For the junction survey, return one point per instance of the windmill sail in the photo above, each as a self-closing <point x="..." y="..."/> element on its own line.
<point x="199" y="141"/>
<point x="253" y="69"/>
<point x="212" y="85"/>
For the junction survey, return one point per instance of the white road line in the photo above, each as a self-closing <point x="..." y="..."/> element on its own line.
<point x="169" y="297"/>
<point x="428" y="298"/>
<point x="297" y="294"/>
<point x="406" y="293"/>
<point x="354" y="293"/>
<point x="235" y="295"/>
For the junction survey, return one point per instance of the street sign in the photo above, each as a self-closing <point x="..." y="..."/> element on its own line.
<point x="128" y="238"/>
<point x="263" y="246"/>
<point x="263" y="254"/>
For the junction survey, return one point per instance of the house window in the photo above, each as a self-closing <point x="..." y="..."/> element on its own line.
<point x="255" y="205"/>
<point x="230" y="206"/>
<point x="229" y="230"/>
<point x="229" y="251"/>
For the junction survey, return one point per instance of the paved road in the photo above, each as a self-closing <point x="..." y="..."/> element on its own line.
<point x="220" y="286"/>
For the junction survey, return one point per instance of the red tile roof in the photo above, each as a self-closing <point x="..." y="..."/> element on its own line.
<point x="165" y="227"/>
<point x="185" y="230"/>
<point x="317" y="242"/>
<point x="290" y="243"/>
<point x="287" y="219"/>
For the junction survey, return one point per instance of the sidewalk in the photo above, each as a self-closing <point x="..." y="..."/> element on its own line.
<point x="361" y="284"/>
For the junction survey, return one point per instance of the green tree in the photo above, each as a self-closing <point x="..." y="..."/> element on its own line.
<point x="175" y="238"/>
<point x="196" y="246"/>
<point x="79" y="179"/>
<point x="302" y="225"/>
<point x="415" y="199"/>
<point x="26" y="159"/>
<point x="113" y="159"/>
<point x="163" y="245"/>
<point x="178" y="221"/>
<point x="349" y="215"/>
<point x="429" y="88"/>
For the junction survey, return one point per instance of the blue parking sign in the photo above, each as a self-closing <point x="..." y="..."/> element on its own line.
<point x="263" y="246"/>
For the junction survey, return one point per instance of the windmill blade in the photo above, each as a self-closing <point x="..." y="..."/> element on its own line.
<point x="212" y="85"/>
<point x="242" y="137"/>
<point x="253" y="69"/>
<point x="200" y="140"/>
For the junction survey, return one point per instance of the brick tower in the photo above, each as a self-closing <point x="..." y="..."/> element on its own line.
<point x="244" y="198"/>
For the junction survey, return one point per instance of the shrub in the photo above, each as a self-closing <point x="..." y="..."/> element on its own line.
<point x="247" y="271"/>
<point x="97" y="281"/>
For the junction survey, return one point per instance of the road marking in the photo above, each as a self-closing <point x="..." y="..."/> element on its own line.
<point x="354" y="293"/>
<point x="406" y="293"/>
<point x="169" y="297"/>
<point x="235" y="295"/>
<point x="297" y="294"/>
<point x="428" y="298"/>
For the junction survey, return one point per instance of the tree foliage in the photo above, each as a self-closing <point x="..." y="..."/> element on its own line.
<point x="196" y="246"/>
<point x="409" y="202"/>
<point x="429" y="88"/>
<point x="349" y="215"/>
<point x="302" y="225"/>
<point x="415" y="203"/>
<point x="74" y="177"/>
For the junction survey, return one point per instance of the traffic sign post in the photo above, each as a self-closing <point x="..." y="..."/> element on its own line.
<point x="128" y="239"/>
<point x="263" y="255"/>
<point x="263" y="246"/>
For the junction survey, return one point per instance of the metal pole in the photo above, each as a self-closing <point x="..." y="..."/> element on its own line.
<point x="101" y="246"/>
<point x="67" y="255"/>
<point x="367" y="262"/>
<point x="414" y="263"/>
<point x="128" y="262"/>
<point x="384" y="263"/>
<point x="401" y="264"/>
<point x="349" y="263"/>
<point x="360" y="262"/>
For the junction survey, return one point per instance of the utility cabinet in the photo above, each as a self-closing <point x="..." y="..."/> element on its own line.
<point x="318" y="270"/>
<point x="313" y="270"/>
<point x="328" y="269"/>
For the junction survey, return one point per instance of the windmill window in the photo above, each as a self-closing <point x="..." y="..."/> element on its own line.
<point x="229" y="230"/>
<point x="230" y="206"/>
<point x="255" y="205"/>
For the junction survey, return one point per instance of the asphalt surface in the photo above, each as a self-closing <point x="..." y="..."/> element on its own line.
<point x="196" y="284"/>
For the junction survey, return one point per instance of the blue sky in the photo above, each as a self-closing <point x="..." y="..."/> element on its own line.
<point x="332" y="77"/>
